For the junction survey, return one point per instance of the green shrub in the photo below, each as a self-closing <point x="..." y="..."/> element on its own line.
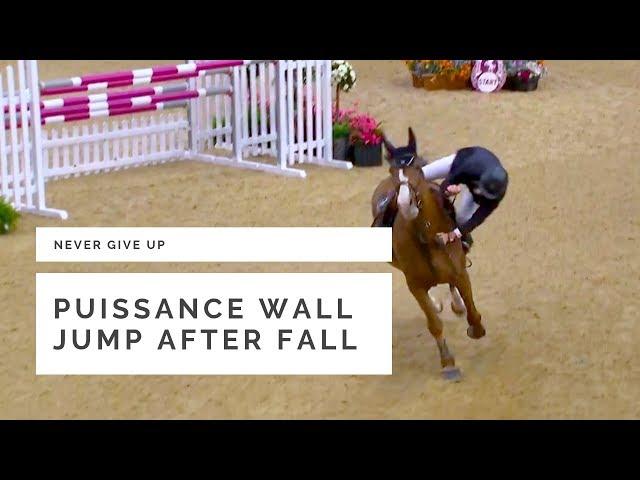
<point x="341" y="130"/>
<point x="8" y="217"/>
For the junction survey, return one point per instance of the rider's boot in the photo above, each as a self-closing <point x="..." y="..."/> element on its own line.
<point x="387" y="211"/>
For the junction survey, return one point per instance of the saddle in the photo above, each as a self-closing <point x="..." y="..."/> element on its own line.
<point x="387" y="207"/>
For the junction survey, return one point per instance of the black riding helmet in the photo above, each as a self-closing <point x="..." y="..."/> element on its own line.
<point x="493" y="183"/>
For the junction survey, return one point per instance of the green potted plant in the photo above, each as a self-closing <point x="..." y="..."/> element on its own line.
<point x="340" y="140"/>
<point x="366" y="138"/>
<point x="8" y="217"/>
<point x="523" y="75"/>
<point x="341" y="133"/>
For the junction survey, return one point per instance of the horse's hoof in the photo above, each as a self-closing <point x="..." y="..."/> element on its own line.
<point x="476" y="331"/>
<point x="458" y="311"/>
<point x="451" y="374"/>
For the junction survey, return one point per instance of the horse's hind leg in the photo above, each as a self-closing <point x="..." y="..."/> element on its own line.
<point x="474" y="319"/>
<point x="449" y="369"/>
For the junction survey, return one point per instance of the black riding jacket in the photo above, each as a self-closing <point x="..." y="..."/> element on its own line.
<point x="468" y="166"/>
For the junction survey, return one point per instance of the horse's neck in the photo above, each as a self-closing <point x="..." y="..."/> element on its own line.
<point x="433" y="196"/>
<point x="433" y="203"/>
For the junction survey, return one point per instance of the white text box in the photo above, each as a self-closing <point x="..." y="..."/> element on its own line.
<point x="203" y="244"/>
<point x="349" y="332"/>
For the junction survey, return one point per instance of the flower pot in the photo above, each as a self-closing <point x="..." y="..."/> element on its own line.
<point x="445" y="82"/>
<point x="340" y="146"/>
<point x="367" y="155"/>
<point x="519" y="84"/>
<point x="417" y="80"/>
<point x="456" y="82"/>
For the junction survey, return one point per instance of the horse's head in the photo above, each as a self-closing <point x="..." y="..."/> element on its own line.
<point x="406" y="169"/>
<point x="401" y="157"/>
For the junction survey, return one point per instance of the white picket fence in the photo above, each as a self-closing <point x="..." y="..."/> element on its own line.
<point x="265" y="124"/>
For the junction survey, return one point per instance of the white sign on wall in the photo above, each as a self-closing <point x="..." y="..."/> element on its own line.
<point x="488" y="75"/>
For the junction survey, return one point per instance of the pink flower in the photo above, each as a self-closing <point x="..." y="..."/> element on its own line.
<point x="365" y="129"/>
<point x="343" y="116"/>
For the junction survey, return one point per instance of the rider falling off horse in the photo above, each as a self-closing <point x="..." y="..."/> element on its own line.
<point x="478" y="176"/>
<point x="475" y="174"/>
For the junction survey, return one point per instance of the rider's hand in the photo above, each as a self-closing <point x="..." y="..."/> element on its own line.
<point x="444" y="238"/>
<point x="453" y="190"/>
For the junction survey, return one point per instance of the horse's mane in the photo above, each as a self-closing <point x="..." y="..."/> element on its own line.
<point x="433" y="187"/>
<point x="434" y="190"/>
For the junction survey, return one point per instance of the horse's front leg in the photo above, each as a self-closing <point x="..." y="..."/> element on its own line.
<point x="437" y="303"/>
<point x="457" y="304"/>
<point x="474" y="319"/>
<point x="449" y="369"/>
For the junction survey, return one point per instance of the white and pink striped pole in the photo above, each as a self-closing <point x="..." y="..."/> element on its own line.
<point x="136" y="101"/>
<point x="105" y="97"/>
<point x="110" y="104"/>
<point x="171" y="100"/>
<point x="126" y="83"/>
<point x="134" y="77"/>
<point x="74" y="117"/>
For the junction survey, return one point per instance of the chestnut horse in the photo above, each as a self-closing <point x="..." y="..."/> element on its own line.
<point x="416" y="210"/>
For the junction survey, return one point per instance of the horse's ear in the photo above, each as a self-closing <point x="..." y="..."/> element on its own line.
<point x="389" y="147"/>
<point x="412" y="141"/>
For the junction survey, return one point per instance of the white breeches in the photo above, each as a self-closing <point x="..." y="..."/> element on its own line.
<point x="465" y="206"/>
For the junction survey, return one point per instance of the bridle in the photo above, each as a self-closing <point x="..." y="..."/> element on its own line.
<point x="415" y="197"/>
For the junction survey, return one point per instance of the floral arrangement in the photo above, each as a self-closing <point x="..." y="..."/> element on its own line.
<point x="454" y="68"/>
<point x="362" y="128"/>
<point x="525" y="69"/>
<point x="343" y="77"/>
<point x="341" y="120"/>
<point x="8" y="217"/>
<point x="365" y="129"/>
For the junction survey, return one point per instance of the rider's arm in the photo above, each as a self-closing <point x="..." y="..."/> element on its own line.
<point x="477" y="218"/>
<point x="438" y="168"/>
<point x="449" y="180"/>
